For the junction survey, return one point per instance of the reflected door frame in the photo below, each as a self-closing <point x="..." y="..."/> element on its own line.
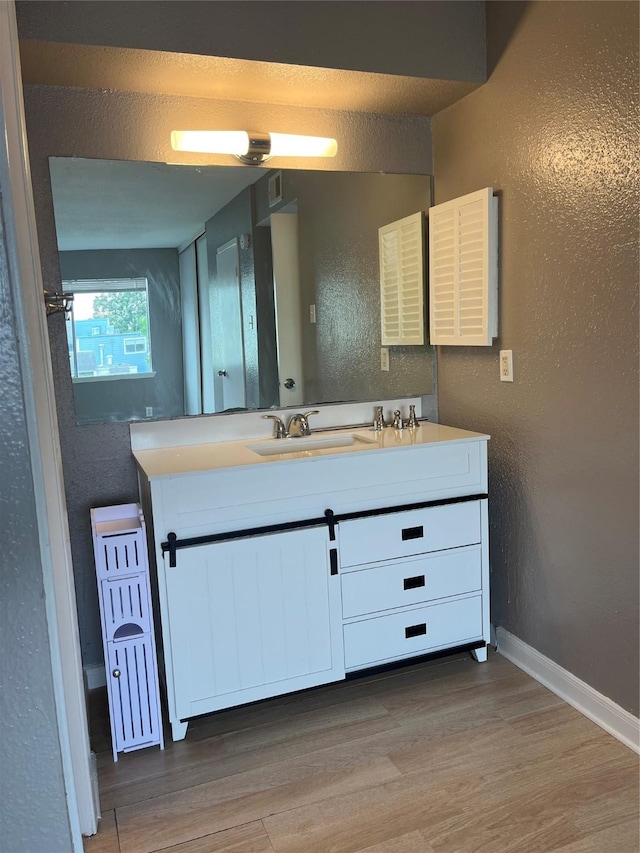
<point x="228" y="301"/>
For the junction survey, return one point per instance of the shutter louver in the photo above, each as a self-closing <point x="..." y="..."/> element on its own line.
<point x="402" y="281"/>
<point x="463" y="270"/>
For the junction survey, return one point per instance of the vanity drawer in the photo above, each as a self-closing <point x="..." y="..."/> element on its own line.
<point x="410" y="532"/>
<point x="412" y="581"/>
<point x="412" y="632"/>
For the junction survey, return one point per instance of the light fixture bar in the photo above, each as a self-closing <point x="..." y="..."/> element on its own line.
<point x="253" y="147"/>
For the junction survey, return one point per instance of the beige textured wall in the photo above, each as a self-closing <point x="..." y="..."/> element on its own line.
<point x="555" y="132"/>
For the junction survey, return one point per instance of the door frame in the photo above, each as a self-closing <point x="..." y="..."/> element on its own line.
<point x="78" y="768"/>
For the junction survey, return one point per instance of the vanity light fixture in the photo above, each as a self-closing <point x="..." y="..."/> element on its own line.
<point x="252" y="147"/>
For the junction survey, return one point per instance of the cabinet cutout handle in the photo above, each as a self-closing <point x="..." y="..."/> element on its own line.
<point x="414" y="583"/>
<point x="333" y="560"/>
<point x="415" y="630"/>
<point x="412" y="533"/>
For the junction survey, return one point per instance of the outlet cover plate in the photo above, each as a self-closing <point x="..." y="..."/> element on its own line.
<point x="506" y="365"/>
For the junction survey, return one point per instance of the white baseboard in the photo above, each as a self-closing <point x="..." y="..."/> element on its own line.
<point x="598" y="708"/>
<point x="94" y="676"/>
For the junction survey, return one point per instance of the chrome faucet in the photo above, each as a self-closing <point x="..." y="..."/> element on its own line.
<point x="299" y="425"/>
<point x="280" y="429"/>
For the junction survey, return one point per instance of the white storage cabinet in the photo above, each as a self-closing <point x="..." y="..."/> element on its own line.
<point x="122" y="569"/>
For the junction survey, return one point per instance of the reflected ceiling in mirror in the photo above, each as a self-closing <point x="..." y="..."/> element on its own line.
<point x="213" y="289"/>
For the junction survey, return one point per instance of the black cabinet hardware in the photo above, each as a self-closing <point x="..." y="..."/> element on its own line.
<point x="412" y="533"/>
<point x="333" y="560"/>
<point x="415" y="630"/>
<point x="414" y="583"/>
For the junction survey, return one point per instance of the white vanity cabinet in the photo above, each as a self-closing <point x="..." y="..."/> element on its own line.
<point x="280" y="572"/>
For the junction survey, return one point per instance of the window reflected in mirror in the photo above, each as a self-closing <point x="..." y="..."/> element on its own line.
<point x="108" y="331"/>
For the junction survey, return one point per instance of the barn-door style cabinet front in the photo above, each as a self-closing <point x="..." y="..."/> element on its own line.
<point x="252" y="617"/>
<point x="122" y="569"/>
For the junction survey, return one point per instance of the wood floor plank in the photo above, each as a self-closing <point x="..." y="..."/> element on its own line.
<point x="249" y="838"/>
<point x="203" y="766"/>
<point x="106" y="839"/>
<point x="583" y="845"/>
<point x="624" y="837"/>
<point x="307" y="722"/>
<point x="532" y="807"/>
<point x="495" y="746"/>
<point x="365" y="818"/>
<point x="245" y="797"/>
<point x="514" y="832"/>
<point x="412" y="842"/>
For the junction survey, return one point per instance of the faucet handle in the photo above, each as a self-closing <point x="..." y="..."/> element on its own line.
<point x="378" y="421"/>
<point x="299" y="425"/>
<point x="397" y="420"/>
<point x="280" y="429"/>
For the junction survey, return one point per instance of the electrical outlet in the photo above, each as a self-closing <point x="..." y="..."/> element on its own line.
<point x="148" y="412"/>
<point x="506" y="365"/>
<point x="384" y="358"/>
<point x="312" y="313"/>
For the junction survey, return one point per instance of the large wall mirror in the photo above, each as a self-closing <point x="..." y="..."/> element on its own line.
<point x="213" y="289"/>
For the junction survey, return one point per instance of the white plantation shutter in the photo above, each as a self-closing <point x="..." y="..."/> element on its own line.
<point x="463" y="270"/>
<point x="402" y="281"/>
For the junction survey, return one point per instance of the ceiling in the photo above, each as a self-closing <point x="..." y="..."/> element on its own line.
<point x="105" y="204"/>
<point x="158" y="72"/>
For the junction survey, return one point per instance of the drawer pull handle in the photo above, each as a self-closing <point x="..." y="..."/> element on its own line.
<point x="415" y="631"/>
<point x="414" y="583"/>
<point x="333" y="560"/>
<point x="412" y="533"/>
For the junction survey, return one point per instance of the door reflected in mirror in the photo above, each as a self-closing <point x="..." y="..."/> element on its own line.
<point x="213" y="289"/>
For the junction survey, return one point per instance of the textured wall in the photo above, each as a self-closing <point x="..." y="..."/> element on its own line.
<point x="97" y="461"/>
<point x="30" y="762"/>
<point x="436" y="39"/>
<point x="555" y="132"/>
<point x="340" y="268"/>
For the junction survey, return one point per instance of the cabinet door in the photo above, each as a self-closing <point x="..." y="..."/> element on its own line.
<point x="252" y="618"/>
<point x="133" y="690"/>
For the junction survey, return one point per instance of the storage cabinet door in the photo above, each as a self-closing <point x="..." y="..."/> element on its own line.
<point x="253" y="618"/>
<point x="131" y="679"/>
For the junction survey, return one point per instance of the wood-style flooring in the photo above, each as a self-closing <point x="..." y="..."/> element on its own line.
<point x="449" y="756"/>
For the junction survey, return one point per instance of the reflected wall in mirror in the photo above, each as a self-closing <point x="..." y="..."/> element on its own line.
<point x="212" y="289"/>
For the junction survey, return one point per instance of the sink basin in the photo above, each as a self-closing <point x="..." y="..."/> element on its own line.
<point x="277" y="446"/>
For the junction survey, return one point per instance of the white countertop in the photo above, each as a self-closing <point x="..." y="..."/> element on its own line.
<point x="195" y="458"/>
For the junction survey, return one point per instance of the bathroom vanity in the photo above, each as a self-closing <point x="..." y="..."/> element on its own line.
<point x="284" y="566"/>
